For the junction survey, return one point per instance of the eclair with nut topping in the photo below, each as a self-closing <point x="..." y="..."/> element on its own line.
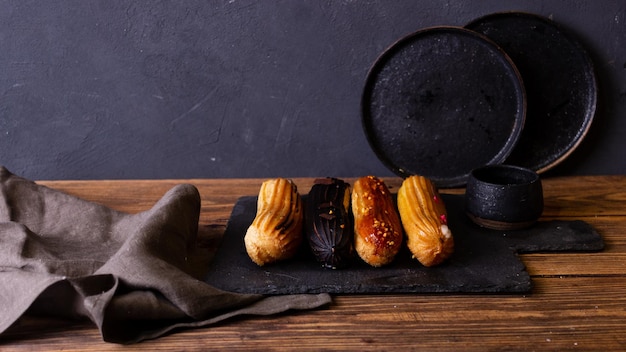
<point x="377" y="227"/>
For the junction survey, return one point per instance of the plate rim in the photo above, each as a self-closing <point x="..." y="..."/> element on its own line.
<point x="565" y="33"/>
<point x="390" y="50"/>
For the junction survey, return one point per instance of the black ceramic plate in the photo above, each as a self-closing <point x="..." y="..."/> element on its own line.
<point x="560" y="85"/>
<point x="441" y="102"/>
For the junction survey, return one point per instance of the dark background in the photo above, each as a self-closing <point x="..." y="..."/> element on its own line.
<point x="186" y="89"/>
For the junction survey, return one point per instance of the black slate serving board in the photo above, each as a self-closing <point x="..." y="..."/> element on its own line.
<point x="484" y="261"/>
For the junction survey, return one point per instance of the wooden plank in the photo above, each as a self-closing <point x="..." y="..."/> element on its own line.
<point x="561" y="314"/>
<point x="593" y="196"/>
<point x="610" y="261"/>
<point x="564" y="197"/>
<point x="578" y="302"/>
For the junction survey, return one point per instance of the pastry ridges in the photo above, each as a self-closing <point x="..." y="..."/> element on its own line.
<point x="276" y="231"/>
<point x="425" y="220"/>
<point x="328" y="222"/>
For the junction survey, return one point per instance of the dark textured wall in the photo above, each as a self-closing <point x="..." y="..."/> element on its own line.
<point x="181" y="89"/>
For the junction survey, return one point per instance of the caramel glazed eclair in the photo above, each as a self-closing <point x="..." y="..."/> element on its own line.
<point x="425" y="220"/>
<point x="377" y="228"/>
<point x="328" y="222"/>
<point x="276" y="231"/>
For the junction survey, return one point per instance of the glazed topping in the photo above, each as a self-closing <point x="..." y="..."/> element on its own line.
<point x="279" y="205"/>
<point x="328" y="222"/>
<point x="376" y="221"/>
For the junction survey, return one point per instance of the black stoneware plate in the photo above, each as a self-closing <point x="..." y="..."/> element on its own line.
<point x="560" y="84"/>
<point x="483" y="260"/>
<point x="441" y="102"/>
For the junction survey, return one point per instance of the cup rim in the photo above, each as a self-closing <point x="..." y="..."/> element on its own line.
<point x="493" y="175"/>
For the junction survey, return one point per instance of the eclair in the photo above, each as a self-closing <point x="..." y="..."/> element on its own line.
<point x="425" y="221"/>
<point x="328" y="222"/>
<point x="377" y="228"/>
<point x="276" y="231"/>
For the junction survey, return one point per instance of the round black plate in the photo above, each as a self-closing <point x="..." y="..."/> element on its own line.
<point x="441" y="102"/>
<point x="560" y="85"/>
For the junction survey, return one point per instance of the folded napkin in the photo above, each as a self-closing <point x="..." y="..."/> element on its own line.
<point x="128" y="273"/>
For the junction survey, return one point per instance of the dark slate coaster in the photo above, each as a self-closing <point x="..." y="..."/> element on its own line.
<point x="484" y="261"/>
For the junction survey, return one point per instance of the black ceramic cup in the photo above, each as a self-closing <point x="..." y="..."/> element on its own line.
<point x="504" y="197"/>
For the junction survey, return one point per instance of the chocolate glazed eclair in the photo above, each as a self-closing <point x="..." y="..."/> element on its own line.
<point x="328" y="222"/>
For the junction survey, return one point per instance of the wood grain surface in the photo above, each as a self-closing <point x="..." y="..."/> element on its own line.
<point x="578" y="301"/>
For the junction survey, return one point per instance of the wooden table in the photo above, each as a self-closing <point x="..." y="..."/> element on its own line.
<point x="578" y="301"/>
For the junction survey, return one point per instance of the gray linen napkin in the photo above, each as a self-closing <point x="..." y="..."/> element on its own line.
<point x="128" y="273"/>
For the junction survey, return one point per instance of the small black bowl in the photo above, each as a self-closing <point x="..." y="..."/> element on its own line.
<point x="504" y="197"/>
